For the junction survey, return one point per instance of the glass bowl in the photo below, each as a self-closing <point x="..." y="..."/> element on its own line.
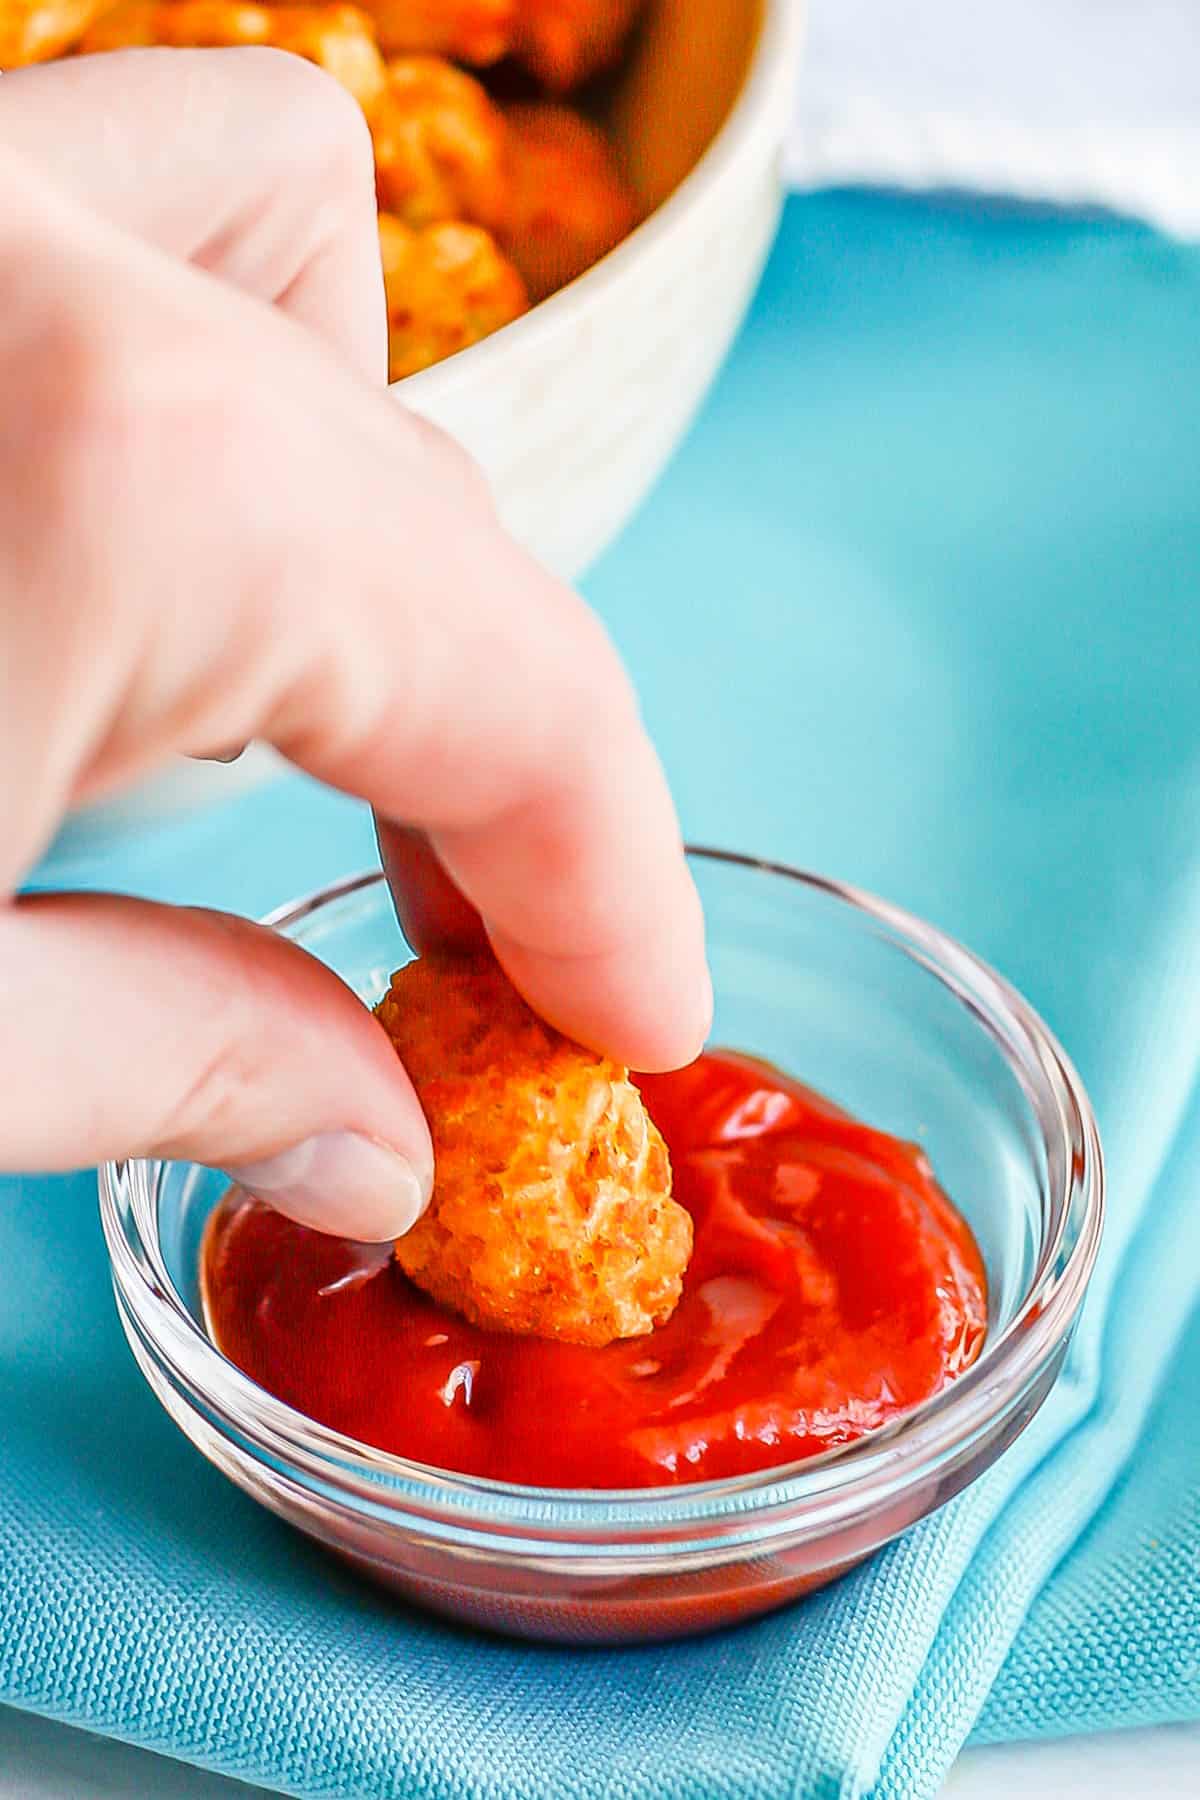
<point x="880" y="1012"/>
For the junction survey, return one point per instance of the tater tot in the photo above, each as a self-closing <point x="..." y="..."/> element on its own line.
<point x="478" y="32"/>
<point x="37" y="30"/>
<point x="551" y="1212"/>
<point x="441" y="146"/>
<point x="565" y="42"/>
<point x="570" y="202"/>
<point x="337" y="38"/>
<point x="447" y="286"/>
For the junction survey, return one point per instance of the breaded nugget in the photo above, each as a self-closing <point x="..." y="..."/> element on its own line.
<point x="478" y="32"/>
<point x="441" y="146"/>
<point x="337" y="38"/>
<point x="447" y="286"/>
<point x="570" y="202"/>
<point x="566" y="42"/>
<point x="36" y="30"/>
<point x="552" y="1210"/>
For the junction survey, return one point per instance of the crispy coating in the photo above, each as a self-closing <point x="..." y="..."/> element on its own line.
<point x="478" y="32"/>
<point x="566" y="42"/>
<point x="570" y="201"/>
<point x="552" y="1212"/>
<point x="447" y="286"/>
<point x="337" y="38"/>
<point x="441" y="146"/>
<point x="36" y="30"/>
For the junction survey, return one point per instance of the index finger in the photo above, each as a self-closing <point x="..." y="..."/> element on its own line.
<point x="516" y="748"/>
<point x="433" y="913"/>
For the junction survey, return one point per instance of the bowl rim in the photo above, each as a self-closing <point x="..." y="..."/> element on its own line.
<point x="833" y="1487"/>
<point x="771" y="67"/>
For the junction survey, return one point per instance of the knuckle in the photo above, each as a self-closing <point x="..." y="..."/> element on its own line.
<point x="144" y="391"/>
<point x="214" y="1103"/>
<point x="211" y="1108"/>
<point x="89" y="414"/>
<point x="453" y="464"/>
<point x="324" y="128"/>
<point x="116" y="416"/>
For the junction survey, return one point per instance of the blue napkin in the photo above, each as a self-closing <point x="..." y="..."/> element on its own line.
<point x="917" y="605"/>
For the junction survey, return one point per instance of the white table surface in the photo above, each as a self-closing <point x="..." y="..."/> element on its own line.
<point x="43" y="1761"/>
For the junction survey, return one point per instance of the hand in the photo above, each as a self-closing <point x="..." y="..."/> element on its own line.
<point x="215" y="524"/>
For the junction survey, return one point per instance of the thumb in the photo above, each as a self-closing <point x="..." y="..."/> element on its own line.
<point x="141" y="1030"/>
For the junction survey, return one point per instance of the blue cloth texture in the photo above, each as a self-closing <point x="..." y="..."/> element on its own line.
<point x="917" y="604"/>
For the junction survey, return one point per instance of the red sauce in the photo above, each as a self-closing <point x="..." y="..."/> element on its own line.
<point x="832" y="1287"/>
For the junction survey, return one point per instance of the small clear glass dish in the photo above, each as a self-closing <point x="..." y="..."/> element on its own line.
<point x="886" y="1016"/>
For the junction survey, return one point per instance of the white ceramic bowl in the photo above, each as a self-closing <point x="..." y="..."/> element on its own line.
<point x="574" y="409"/>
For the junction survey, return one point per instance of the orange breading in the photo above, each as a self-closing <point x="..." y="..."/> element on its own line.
<point x="447" y="286"/>
<point x="337" y="38"/>
<point x="552" y="1212"/>
<point x="478" y="32"/>
<point x="36" y="30"/>
<point x="441" y="146"/>
<point x="570" y="201"/>
<point x="565" y="42"/>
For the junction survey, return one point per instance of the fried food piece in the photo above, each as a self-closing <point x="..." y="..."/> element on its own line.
<point x="552" y="1210"/>
<point x="36" y="30"/>
<point x="447" y="287"/>
<point x="337" y="38"/>
<point x="478" y="32"/>
<point x="566" y="42"/>
<point x="441" y="146"/>
<point x="570" y="201"/>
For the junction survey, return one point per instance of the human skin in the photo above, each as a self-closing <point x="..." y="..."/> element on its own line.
<point x="216" y="525"/>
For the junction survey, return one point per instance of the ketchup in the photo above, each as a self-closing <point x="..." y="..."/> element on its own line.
<point x="831" y="1288"/>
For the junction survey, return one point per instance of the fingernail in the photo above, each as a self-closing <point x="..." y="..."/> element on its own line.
<point x="343" y="1183"/>
<point x="707" y="1000"/>
<point x="220" y="756"/>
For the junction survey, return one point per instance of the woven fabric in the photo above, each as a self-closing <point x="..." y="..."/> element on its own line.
<point x="916" y="605"/>
<point x="1114" y="1639"/>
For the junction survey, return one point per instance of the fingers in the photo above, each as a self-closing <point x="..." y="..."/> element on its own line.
<point x="433" y="913"/>
<point x="343" y="592"/>
<point x="139" y="1029"/>
<point x="251" y="164"/>
<point x="511" y="739"/>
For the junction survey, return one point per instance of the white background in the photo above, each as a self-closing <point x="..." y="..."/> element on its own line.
<point x="1094" y="101"/>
